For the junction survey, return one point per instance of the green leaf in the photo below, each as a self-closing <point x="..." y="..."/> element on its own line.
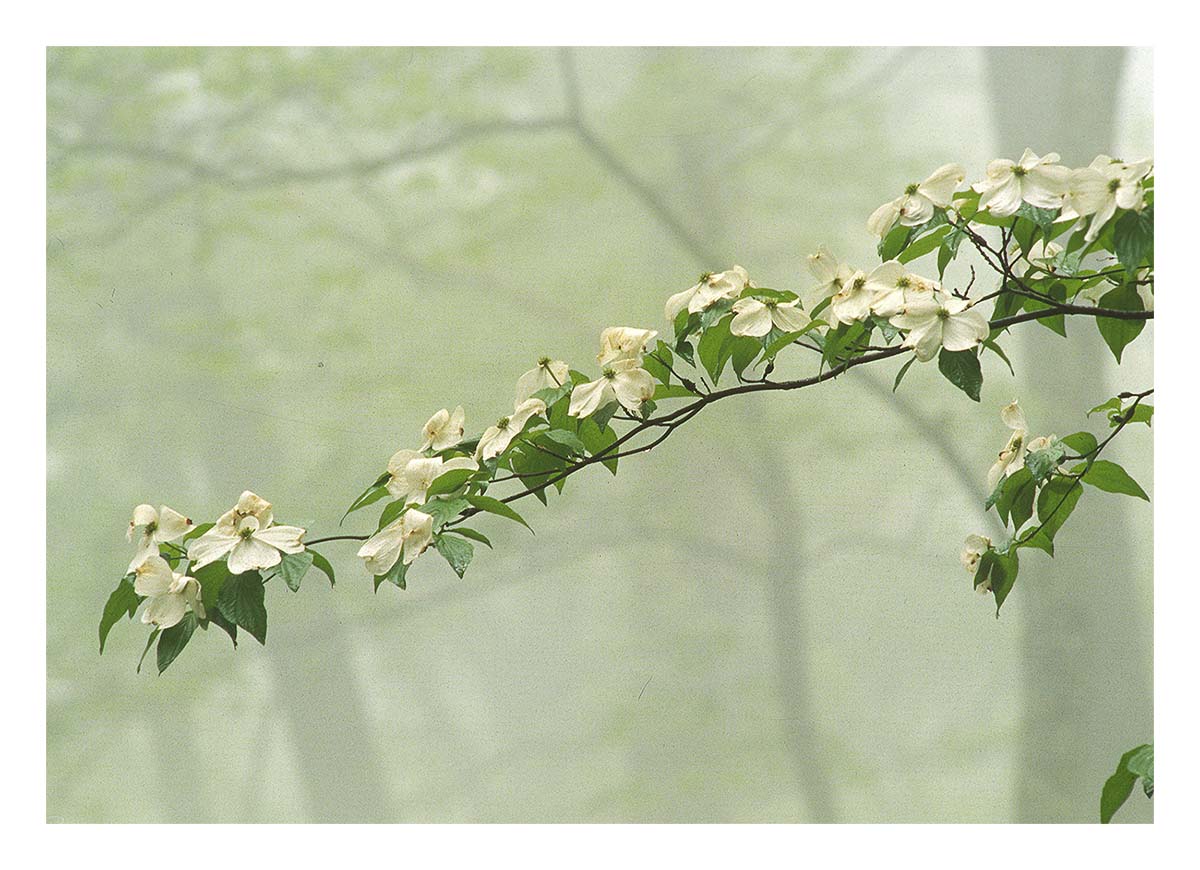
<point x="172" y="640"/>
<point x="893" y="242"/>
<point x="497" y="507"/>
<point x="455" y="551"/>
<point x="772" y="350"/>
<point x="1117" y="334"/>
<point x="392" y="512"/>
<point x="322" y="564"/>
<point x="149" y="643"/>
<point x="370" y="495"/>
<point x="995" y="348"/>
<point x="1143" y="413"/>
<point x="566" y="438"/>
<point x="597" y="439"/>
<point x="470" y="533"/>
<point x="241" y="602"/>
<point x="656" y="362"/>
<point x="1055" y="503"/>
<point x="196" y="532"/>
<point x="293" y="567"/>
<point x="123" y="602"/>
<point x="1042" y="463"/>
<point x="743" y="350"/>
<point x="212" y="578"/>
<point x="1057" y="291"/>
<point x="1000" y="571"/>
<point x="217" y="618"/>
<point x="962" y="369"/>
<point x="715" y="312"/>
<point x="1083" y="443"/>
<point x="1133" y="238"/>
<point x="1110" y="477"/>
<point x="1014" y="497"/>
<point x="672" y="391"/>
<point x="449" y="481"/>
<point x="924" y="245"/>
<point x="712" y="349"/>
<point x="395" y="575"/>
<point x="1138" y="761"/>
<point x="443" y="509"/>
<point x="903" y="371"/>
<point x="1113" y="404"/>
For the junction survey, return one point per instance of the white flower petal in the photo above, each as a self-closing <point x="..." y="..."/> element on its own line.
<point x="884" y="218"/>
<point x="285" y="538"/>
<point x="751" y="317"/>
<point x="250" y="553"/>
<point x="165" y="611"/>
<point x="210" y="546"/>
<point x="153" y="577"/>
<point x="587" y="399"/>
<point x="632" y="387"/>
<point x="171" y="525"/>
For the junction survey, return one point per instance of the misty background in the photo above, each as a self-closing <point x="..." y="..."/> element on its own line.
<point x="268" y="267"/>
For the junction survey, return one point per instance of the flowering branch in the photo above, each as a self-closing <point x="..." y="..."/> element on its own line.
<point x="561" y="422"/>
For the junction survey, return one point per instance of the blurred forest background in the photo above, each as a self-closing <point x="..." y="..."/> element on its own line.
<point x="268" y="267"/>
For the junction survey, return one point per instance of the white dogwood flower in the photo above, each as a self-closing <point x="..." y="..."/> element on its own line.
<point x="1103" y="187"/>
<point x="756" y="316"/>
<point x="936" y="321"/>
<point x="406" y="537"/>
<point x="412" y="473"/>
<point x="831" y="273"/>
<point x="915" y="206"/>
<point x="973" y="549"/>
<point x="246" y="533"/>
<point x="495" y="439"/>
<point x="1041" y="256"/>
<point x="711" y="287"/>
<point x="880" y="291"/>
<point x="1012" y="457"/>
<point x="444" y="429"/>
<point x="150" y="527"/>
<point x="624" y="342"/>
<point x="169" y="595"/>
<point x="548" y="374"/>
<point x="1039" y="181"/>
<point x="621" y="381"/>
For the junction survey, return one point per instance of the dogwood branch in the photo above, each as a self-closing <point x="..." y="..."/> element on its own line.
<point x="672" y="420"/>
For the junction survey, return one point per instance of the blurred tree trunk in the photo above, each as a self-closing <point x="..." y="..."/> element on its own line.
<point x="1083" y="615"/>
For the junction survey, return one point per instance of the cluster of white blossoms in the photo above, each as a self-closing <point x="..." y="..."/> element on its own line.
<point x="1009" y="461"/>
<point x="410" y="474"/>
<point x="1096" y="191"/>
<point x="622" y="378"/>
<point x="911" y="303"/>
<point x="246" y="535"/>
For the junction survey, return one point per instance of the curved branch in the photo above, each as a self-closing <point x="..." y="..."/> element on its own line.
<point x="669" y="422"/>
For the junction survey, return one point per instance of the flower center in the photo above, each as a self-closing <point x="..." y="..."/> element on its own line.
<point x="1019" y="171"/>
<point x="705" y="277"/>
<point x="911" y="189"/>
<point x="502" y="423"/>
<point x="943" y="314"/>
<point x="1113" y="185"/>
<point x="608" y="373"/>
<point x="544" y="361"/>
<point x="859" y="283"/>
<point x="903" y="283"/>
<point x="151" y="528"/>
<point x="245" y="531"/>
<point x="772" y="304"/>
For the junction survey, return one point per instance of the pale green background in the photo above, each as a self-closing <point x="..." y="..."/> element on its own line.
<point x="268" y="267"/>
